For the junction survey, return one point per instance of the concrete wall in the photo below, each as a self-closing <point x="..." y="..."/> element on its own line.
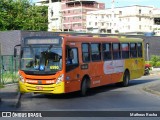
<point x="9" y="39"/>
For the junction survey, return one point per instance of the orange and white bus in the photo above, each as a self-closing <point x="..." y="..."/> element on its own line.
<point x="63" y="64"/>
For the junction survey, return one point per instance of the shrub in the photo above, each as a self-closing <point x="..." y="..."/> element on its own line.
<point x="158" y="64"/>
<point x="154" y="60"/>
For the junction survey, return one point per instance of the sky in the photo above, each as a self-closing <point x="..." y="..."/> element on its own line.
<point x="122" y="3"/>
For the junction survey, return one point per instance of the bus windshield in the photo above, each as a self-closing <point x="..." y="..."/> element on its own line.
<point x="46" y="58"/>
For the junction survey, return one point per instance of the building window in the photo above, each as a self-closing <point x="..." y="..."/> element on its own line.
<point x="120" y="12"/>
<point x="140" y="11"/>
<point x="139" y="18"/>
<point x="52" y="13"/>
<point x="95" y="23"/>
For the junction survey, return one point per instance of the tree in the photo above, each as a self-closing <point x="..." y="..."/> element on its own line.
<point x="22" y="15"/>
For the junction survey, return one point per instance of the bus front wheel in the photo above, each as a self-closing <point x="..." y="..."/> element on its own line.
<point x="84" y="87"/>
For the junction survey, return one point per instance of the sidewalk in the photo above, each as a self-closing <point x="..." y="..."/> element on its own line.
<point x="12" y="88"/>
<point x="155" y="71"/>
<point x="155" y="88"/>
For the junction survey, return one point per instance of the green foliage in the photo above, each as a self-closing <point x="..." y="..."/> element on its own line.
<point x="158" y="64"/>
<point x="155" y="60"/>
<point x="1" y="86"/>
<point x="22" y="15"/>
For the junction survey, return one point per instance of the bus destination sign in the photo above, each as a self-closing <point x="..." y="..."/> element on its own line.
<point x="43" y="41"/>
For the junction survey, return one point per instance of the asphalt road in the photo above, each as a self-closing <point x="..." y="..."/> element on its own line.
<point x="106" y="98"/>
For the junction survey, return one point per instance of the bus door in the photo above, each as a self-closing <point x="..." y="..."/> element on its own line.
<point x="135" y="61"/>
<point x="140" y="60"/>
<point x="118" y="63"/>
<point x="72" y="69"/>
<point x="96" y="70"/>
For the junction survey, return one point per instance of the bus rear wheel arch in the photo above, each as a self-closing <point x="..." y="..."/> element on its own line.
<point x="85" y="85"/>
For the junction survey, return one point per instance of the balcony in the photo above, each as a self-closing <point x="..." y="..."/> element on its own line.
<point x="137" y="15"/>
<point x="88" y="4"/>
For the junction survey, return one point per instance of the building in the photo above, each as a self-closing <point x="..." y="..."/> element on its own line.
<point x="156" y="22"/>
<point x="130" y="19"/>
<point x="74" y="13"/>
<point x="69" y="15"/>
<point x="54" y="14"/>
<point x="42" y="2"/>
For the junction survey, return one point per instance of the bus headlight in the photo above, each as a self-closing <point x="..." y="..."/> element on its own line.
<point x="21" y="78"/>
<point x="59" y="79"/>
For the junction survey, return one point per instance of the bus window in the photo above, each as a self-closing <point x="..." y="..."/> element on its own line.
<point x="106" y="51"/>
<point x="116" y="51"/>
<point x="133" y="50"/>
<point x="125" y="50"/>
<point x="139" y="45"/>
<point x="96" y="54"/>
<point x="85" y="52"/>
<point x="72" y="56"/>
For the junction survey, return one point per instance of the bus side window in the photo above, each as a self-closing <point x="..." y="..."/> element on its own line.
<point x="96" y="51"/>
<point x="125" y="50"/>
<point x="106" y="51"/>
<point x="85" y="52"/>
<point x="139" y="45"/>
<point x="133" y="50"/>
<point x="116" y="51"/>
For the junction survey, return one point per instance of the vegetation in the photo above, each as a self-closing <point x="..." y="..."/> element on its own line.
<point x="155" y="61"/>
<point x="1" y="86"/>
<point x="22" y="15"/>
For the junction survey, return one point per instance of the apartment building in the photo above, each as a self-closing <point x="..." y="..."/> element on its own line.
<point x="129" y="19"/>
<point x="156" y="21"/>
<point x="74" y="13"/>
<point x="69" y="15"/>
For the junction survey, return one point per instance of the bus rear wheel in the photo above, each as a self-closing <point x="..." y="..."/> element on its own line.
<point x="84" y="87"/>
<point x="126" y="79"/>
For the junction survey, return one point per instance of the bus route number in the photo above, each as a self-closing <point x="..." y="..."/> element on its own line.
<point x="54" y="67"/>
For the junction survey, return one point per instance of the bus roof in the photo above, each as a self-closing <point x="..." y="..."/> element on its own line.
<point x="101" y="39"/>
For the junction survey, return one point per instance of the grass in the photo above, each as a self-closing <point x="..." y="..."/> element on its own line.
<point x="1" y="86"/>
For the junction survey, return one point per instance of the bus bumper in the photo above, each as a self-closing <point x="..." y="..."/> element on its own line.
<point x="33" y="88"/>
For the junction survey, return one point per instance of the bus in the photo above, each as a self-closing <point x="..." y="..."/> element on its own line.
<point x="63" y="63"/>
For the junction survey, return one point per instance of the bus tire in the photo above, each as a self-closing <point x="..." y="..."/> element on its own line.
<point x="84" y="87"/>
<point x="126" y="78"/>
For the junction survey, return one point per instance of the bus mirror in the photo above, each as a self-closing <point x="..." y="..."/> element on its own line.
<point x="15" y="52"/>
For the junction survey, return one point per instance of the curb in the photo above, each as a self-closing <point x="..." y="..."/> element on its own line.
<point x="147" y="89"/>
